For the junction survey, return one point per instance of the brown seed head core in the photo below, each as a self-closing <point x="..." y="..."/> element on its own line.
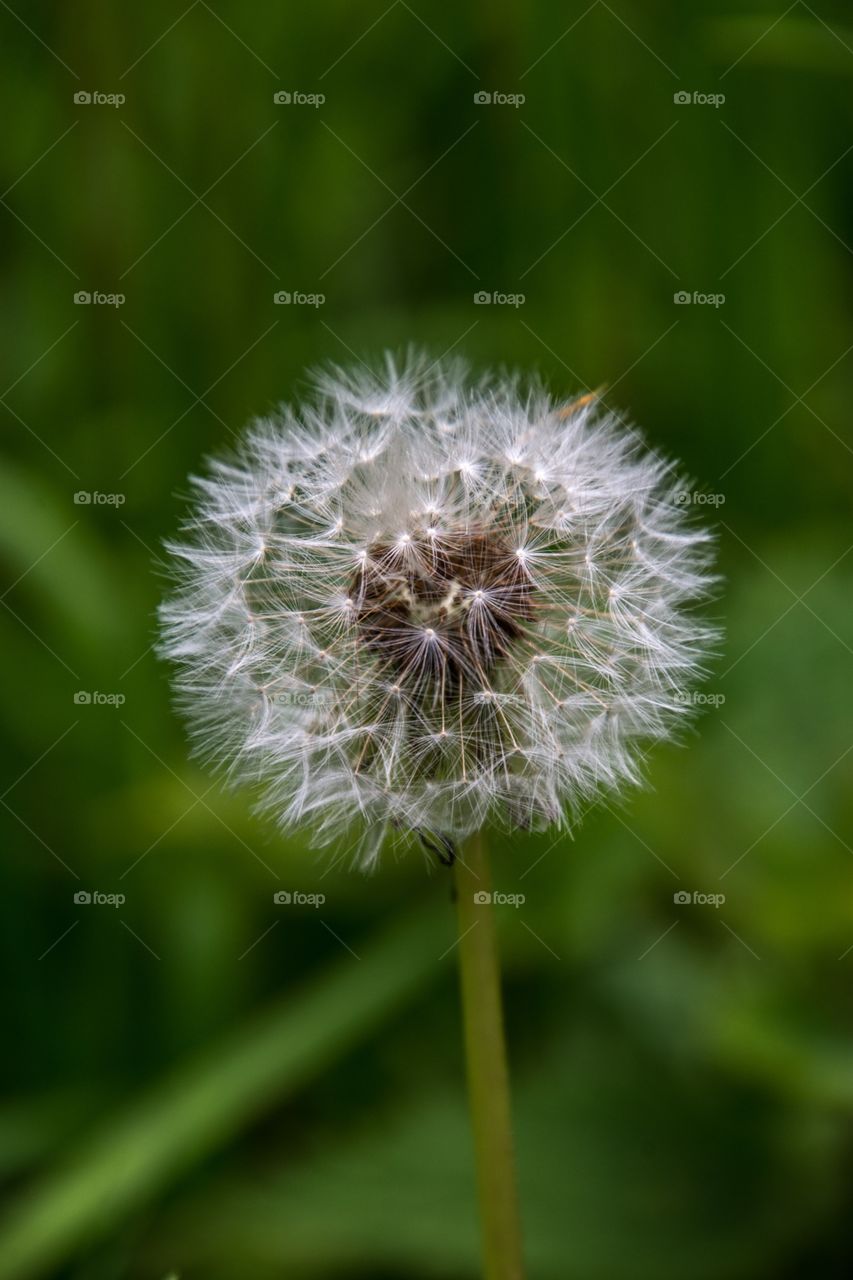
<point x="441" y="610"/>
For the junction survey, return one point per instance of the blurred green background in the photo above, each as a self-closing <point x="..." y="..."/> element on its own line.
<point x="201" y="1082"/>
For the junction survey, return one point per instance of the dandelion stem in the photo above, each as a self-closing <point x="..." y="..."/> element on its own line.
<point x="488" y="1077"/>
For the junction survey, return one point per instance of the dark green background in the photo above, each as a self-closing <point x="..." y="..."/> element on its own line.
<point x="684" y="1078"/>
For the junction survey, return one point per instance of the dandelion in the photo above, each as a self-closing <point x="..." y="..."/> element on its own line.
<point x="429" y="604"/>
<point x="424" y="605"/>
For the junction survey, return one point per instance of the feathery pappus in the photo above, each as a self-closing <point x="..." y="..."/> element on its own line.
<point x="422" y="602"/>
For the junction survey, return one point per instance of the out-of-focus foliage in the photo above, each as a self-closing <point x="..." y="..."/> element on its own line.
<point x="684" y="1071"/>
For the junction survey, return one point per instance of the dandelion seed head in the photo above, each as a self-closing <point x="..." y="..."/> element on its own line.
<point x="425" y="602"/>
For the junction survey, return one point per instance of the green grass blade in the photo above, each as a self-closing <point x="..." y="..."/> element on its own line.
<point x="206" y="1102"/>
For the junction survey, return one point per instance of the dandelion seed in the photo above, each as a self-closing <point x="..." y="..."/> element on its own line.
<point x="489" y="592"/>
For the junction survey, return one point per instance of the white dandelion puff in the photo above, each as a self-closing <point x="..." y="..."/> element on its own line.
<point x="422" y="603"/>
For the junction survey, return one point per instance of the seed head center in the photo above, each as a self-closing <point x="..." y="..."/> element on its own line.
<point x="441" y="610"/>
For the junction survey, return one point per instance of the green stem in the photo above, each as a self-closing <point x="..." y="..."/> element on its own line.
<point x="488" y="1077"/>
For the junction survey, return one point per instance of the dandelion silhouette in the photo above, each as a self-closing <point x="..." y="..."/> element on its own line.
<point x="424" y="603"/>
<point x="421" y="603"/>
